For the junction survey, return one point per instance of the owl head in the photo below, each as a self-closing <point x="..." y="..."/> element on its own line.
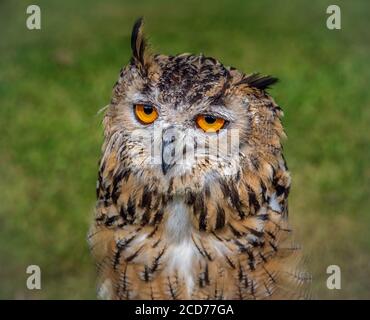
<point x="183" y="121"/>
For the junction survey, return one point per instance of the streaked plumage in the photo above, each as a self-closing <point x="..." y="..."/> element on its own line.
<point x="194" y="231"/>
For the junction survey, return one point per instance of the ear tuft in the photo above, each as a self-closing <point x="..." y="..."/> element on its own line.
<point x="138" y="43"/>
<point x="258" y="81"/>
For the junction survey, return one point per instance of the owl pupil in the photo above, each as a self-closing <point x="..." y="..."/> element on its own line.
<point x="148" y="109"/>
<point x="210" y="119"/>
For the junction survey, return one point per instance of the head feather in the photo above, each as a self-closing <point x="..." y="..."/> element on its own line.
<point x="258" y="81"/>
<point x="138" y="45"/>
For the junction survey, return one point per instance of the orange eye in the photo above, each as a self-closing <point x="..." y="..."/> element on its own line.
<point x="210" y="123"/>
<point x="145" y="113"/>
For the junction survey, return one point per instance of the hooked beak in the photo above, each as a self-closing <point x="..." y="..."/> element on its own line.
<point x="168" y="150"/>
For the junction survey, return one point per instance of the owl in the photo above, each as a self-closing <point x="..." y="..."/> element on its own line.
<point x="192" y="186"/>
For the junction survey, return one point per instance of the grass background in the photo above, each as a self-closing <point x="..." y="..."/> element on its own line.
<point x="53" y="82"/>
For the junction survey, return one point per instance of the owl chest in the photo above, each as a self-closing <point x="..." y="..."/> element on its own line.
<point x="185" y="259"/>
<point x="182" y="255"/>
<point x="175" y="261"/>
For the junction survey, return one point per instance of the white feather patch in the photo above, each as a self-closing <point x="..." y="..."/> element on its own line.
<point x="181" y="251"/>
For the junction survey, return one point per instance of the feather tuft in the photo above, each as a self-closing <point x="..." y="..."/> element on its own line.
<point x="258" y="81"/>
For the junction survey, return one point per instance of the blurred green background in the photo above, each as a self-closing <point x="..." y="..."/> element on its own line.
<point x="54" y="81"/>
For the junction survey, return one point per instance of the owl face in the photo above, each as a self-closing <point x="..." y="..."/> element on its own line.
<point x="185" y="117"/>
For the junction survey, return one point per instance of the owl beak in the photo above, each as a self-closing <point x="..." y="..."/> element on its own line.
<point x="166" y="167"/>
<point x="168" y="151"/>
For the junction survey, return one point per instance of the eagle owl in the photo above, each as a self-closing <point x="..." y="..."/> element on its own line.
<point x="176" y="218"/>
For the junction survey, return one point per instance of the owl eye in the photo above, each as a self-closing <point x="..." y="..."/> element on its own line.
<point x="210" y="123"/>
<point x="145" y="113"/>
